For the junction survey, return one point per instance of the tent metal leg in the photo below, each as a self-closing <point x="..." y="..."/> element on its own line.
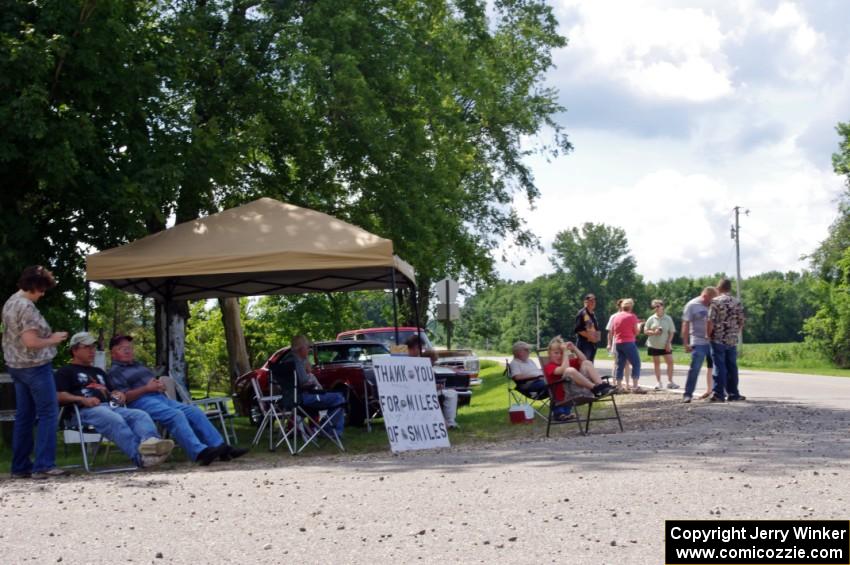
<point x="414" y="289"/>
<point x="395" y="304"/>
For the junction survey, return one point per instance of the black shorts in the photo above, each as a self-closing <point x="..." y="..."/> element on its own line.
<point x="655" y="352"/>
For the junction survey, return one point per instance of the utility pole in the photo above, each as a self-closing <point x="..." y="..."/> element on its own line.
<point x="537" y="309"/>
<point x="736" y="235"/>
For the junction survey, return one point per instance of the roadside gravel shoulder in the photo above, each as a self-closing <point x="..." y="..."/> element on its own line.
<point x="599" y="499"/>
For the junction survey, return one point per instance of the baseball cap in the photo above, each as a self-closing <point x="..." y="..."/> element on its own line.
<point x="116" y="339"/>
<point x="520" y="345"/>
<point x="81" y="338"/>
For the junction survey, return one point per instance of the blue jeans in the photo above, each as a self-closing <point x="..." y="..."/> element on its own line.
<point x="189" y="427"/>
<point x="628" y="352"/>
<point x="35" y="398"/>
<point x="125" y="426"/>
<point x="698" y="355"/>
<point x="327" y="401"/>
<point x="533" y="388"/>
<point x="725" y="370"/>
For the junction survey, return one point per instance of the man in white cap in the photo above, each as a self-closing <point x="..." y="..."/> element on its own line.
<point x="83" y="384"/>
<point x="529" y="379"/>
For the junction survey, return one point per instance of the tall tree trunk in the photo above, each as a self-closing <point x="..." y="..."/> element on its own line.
<point x="237" y="351"/>
<point x="177" y="314"/>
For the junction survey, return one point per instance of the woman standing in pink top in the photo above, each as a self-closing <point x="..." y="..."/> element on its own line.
<point x="625" y="326"/>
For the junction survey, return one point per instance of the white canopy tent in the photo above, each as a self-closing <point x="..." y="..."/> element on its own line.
<point x="263" y="247"/>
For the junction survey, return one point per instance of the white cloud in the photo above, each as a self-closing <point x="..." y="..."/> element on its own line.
<point x="677" y="210"/>
<point x="680" y="111"/>
<point x="655" y="52"/>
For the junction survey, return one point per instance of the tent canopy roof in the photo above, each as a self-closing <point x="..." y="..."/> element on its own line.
<point x="263" y="247"/>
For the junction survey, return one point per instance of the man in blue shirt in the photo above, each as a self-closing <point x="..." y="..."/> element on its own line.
<point x="187" y="424"/>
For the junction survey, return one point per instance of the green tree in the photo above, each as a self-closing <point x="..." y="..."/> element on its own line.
<point x="73" y="76"/>
<point x="402" y="117"/>
<point x="777" y="305"/>
<point x="829" y="329"/>
<point x="597" y="259"/>
<point x="206" y="352"/>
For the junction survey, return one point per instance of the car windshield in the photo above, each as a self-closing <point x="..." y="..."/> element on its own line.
<point x="349" y="353"/>
<point x="388" y="337"/>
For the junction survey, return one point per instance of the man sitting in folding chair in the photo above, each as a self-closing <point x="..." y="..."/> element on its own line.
<point x="529" y="380"/>
<point x="83" y="384"/>
<point x="312" y="397"/>
<point x="188" y="425"/>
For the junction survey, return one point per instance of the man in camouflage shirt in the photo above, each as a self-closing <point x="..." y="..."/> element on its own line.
<point x="727" y="320"/>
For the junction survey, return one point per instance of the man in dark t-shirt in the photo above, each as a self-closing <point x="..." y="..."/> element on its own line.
<point x="587" y="329"/>
<point x="83" y="384"/>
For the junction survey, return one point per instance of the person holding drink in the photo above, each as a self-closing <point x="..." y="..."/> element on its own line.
<point x="29" y="346"/>
<point x="83" y="384"/>
<point x="660" y="330"/>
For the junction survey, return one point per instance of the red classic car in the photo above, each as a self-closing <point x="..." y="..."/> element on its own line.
<point x="463" y="360"/>
<point x="341" y="366"/>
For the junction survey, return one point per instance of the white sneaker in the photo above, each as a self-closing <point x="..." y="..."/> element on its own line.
<point x="672" y="385"/>
<point x="153" y="460"/>
<point x="659" y="386"/>
<point x="156" y="446"/>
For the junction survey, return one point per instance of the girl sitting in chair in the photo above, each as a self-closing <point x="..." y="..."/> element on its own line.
<point x="566" y="361"/>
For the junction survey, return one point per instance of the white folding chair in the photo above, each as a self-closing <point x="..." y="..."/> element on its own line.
<point x="268" y="406"/>
<point x="215" y="408"/>
<point x="539" y="402"/>
<point x="74" y="432"/>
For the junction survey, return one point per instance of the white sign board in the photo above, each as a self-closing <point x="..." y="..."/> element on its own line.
<point x="444" y="295"/>
<point x="449" y="312"/>
<point x="409" y="403"/>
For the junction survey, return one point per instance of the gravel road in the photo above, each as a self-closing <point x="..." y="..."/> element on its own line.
<point x="596" y="499"/>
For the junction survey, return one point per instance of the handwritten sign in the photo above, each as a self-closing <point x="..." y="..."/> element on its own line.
<point x="409" y="403"/>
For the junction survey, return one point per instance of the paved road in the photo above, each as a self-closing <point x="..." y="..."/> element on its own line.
<point x="815" y="390"/>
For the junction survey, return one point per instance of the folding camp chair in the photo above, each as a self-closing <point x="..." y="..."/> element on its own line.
<point x="89" y="439"/>
<point x="371" y="407"/>
<point x="307" y="426"/>
<point x="268" y="405"/>
<point x="215" y="408"/>
<point x="577" y="401"/>
<point x="539" y="401"/>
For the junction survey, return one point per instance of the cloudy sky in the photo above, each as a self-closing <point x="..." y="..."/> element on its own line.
<point x="680" y="110"/>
